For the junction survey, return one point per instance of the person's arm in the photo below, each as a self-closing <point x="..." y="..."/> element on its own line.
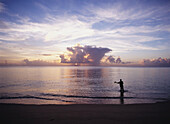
<point x="117" y="82"/>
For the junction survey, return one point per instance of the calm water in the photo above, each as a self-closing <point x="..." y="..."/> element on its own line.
<point x="83" y="85"/>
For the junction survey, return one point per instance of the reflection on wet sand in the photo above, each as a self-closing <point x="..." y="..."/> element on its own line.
<point x="121" y="97"/>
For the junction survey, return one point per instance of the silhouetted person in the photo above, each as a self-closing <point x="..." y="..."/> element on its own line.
<point x="121" y="85"/>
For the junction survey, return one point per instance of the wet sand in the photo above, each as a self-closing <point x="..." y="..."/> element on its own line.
<point x="157" y="113"/>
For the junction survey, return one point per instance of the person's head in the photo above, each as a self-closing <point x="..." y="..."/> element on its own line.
<point x="120" y="79"/>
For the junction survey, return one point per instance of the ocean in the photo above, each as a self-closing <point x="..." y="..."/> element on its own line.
<point x="83" y="85"/>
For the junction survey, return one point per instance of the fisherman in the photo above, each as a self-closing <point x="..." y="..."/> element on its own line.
<point x="121" y="85"/>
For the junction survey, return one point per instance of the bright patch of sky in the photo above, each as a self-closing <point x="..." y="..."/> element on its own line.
<point x="30" y="28"/>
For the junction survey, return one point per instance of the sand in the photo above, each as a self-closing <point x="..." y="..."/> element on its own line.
<point x="156" y="113"/>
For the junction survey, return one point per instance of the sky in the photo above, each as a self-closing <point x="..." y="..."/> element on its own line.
<point x="42" y="31"/>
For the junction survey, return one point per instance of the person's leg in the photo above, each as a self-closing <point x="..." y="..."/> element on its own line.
<point x="122" y="88"/>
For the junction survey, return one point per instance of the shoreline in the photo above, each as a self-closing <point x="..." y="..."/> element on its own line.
<point x="70" y="104"/>
<point x="86" y="113"/>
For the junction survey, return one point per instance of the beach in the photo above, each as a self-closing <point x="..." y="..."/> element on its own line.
<point x="151" y="113"/>
<point x="84" y="95"/>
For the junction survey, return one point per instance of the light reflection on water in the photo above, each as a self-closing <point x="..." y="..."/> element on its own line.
<point x="79" y="85"/>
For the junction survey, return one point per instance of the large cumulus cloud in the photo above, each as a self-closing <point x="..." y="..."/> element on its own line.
<point x="84" y="54"/>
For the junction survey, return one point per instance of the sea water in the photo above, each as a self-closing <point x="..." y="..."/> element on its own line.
<point x="83" y="85"/>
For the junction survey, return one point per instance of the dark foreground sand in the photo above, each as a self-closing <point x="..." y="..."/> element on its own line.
<point x="82" y="114"/>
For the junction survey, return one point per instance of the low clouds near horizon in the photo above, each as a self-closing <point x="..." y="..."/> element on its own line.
<point x="37" y="62"/>
<point x="92" y="55"/>
<point x="160" y="62"/>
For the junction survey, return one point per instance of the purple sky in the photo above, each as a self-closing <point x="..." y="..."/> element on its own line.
<point x="38" y="30"/>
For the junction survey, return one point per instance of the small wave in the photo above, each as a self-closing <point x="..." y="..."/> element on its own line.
<point x="32" y="97"/>
<point x="90" y="97"/>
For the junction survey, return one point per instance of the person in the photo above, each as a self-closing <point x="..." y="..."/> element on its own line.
<point x="121" y="85"/>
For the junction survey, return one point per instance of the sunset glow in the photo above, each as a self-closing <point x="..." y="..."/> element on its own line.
<point x="136" y="32"/>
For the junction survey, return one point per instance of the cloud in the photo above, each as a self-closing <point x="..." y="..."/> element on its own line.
<point x="84" y="54"/>
<point x="53" y="28"/>
<point x="67" y="29"/>
<point x="73" y="27"/>
<point x="111" y="59"/>
<point x="37" y="63"/>
<point x="118" y="60"/>
<point x="3" y="25"/>
<point x="127" y="10"/>
<point x="41" y="6"/>
<point x="157" y="62"/>
<point x="127" y="28"/>
<point x="46" y="54"/>
<point x="2" y="7"/>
